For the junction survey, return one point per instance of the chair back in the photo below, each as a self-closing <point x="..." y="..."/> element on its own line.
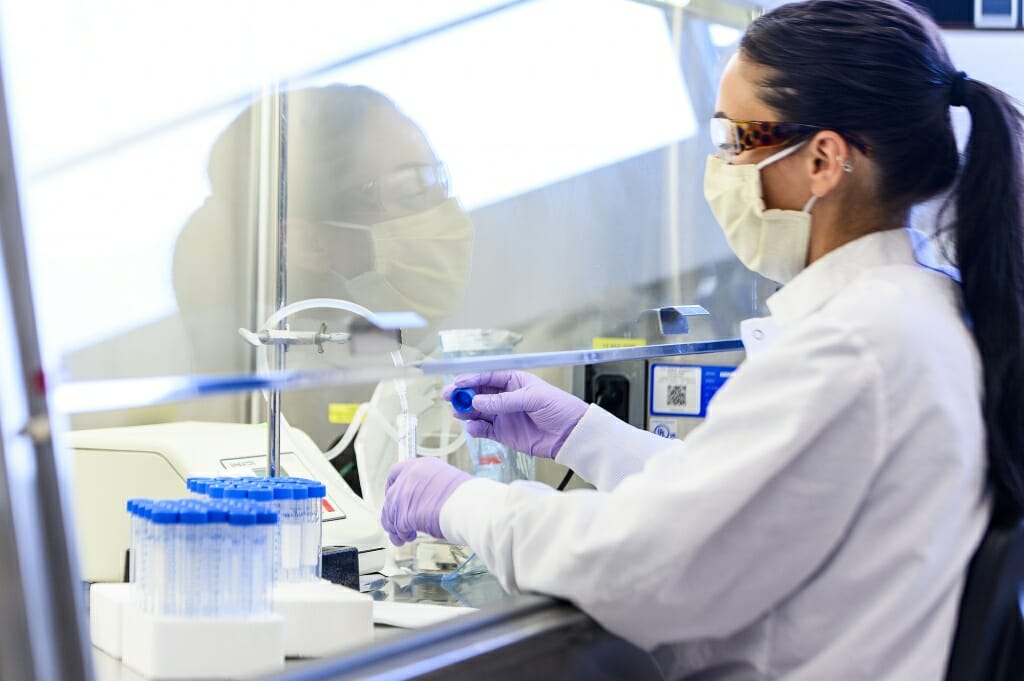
<point x="988" y="644"/>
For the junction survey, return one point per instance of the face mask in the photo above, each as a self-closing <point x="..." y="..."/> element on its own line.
<point x="421" y="262"/>
<point x="773" y="242"/>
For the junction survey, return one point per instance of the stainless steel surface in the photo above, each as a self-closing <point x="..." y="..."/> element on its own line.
<point x="90" y="396"/>
<point x="42" y="615"/>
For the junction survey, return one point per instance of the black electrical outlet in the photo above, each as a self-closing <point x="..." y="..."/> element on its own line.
<point x="611" y="393"/>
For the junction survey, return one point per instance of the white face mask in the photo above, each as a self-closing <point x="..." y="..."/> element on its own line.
<point x="773" y="242"/>
<point x="420" y="262"/>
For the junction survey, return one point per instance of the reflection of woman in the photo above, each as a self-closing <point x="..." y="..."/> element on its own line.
<point x="819" y="523"/>
<point x="370" y="219"/>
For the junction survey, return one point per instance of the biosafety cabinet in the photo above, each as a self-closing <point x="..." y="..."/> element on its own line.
<point x="243" y="237"/>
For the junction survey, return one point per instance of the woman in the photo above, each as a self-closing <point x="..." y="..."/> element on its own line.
<point x="819" y="523"/>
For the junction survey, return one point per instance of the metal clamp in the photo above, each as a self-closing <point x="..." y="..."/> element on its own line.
<point x="287" y="337"/>
<point x="673" y="320"/>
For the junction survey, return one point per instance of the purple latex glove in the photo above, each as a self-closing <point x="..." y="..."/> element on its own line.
<point x="519" y="410"/>
<point x="413" y="496"/>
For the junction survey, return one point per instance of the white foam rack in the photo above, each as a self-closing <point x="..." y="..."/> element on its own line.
<point x="311" y="619"/>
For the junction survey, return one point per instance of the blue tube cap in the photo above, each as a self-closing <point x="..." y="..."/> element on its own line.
<point x="298" y="491"/>
<point x="164" y="516"/>
<point x="217" y="514"/>
<point x="462" y="400"/>
<point x="216" y="491"/>
<point x="282" y="492"/>
<point x="242" y="516"/>
<point x="192" y="516"/>
<point x="259" y="494"/>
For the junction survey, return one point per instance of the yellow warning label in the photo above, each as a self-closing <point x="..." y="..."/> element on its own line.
<point x="606" y="343"/>
<point x="341" y="412"/>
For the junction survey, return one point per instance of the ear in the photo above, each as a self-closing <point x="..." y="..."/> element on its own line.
<point x="829" y="159"/>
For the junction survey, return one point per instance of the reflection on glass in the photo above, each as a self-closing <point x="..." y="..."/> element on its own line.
<point x="472" y="590"/>
<point x="371" y="221"/>
<point x="578" y="185"/>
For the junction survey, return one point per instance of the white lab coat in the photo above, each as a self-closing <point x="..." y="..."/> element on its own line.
<point x="815" y="527"/>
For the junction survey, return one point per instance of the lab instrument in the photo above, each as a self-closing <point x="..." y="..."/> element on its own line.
<point x="154" y="461"/>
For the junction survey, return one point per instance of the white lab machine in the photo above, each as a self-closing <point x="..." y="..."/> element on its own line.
<point x="112" y="465"/>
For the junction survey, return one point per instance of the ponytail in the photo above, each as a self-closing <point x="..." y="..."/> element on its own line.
<point x="989" y="237"/>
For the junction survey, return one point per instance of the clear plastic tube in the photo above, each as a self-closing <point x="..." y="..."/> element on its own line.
<point x="350" y="432"/>
<point x="312" y="531"/>
<point x="392" y="432"/>
<point x="281" y="494"/>
<point x="197" y="558"/>
<point x="406" y="427"/>
<point x="144" y="510"/>
<point x="400" y="388"/>
<point x="191" y="561"/>
<point x="134" y="508"/>
<point x="214" y="593"/>
<point x="162" y="574"/>
<point x="262" y="562"/>
<point x="291" y="518"/>
<point x="241" y="532"/>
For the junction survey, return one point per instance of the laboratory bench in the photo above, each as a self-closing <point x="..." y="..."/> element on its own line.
<point x="507" y="637"/>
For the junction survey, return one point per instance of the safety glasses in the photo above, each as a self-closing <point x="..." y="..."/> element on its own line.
<point x="405" y="190"/>
<point x="732" y="138"/>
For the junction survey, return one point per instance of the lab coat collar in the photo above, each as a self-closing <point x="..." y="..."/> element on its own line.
<point x="830" y="274"/>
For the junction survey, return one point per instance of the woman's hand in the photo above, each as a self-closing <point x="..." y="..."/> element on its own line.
<point x="519" y="410"/>
<point x="414" y="495"/>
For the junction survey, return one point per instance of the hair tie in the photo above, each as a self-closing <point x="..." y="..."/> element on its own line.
<point x="958" y="91"/>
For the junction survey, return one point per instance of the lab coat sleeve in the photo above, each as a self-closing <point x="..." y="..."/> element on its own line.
<point x="712" y="534"/>
<point x="603" y="449"/>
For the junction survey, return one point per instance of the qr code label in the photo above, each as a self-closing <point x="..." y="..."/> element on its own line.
<point x="676" y="390"/>
<point x="677" y="395"/>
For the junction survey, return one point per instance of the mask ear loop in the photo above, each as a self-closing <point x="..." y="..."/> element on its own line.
<point x="779" y="155"/>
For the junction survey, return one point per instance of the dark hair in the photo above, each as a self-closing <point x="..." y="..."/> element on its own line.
<point x="878" y="69"/>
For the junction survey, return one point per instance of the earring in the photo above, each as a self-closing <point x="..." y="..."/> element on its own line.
<point x="846" y="165"/>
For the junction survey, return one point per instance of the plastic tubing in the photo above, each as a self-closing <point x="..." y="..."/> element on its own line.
<point x="350" y="432"/>
<point x="263" y="364"/>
